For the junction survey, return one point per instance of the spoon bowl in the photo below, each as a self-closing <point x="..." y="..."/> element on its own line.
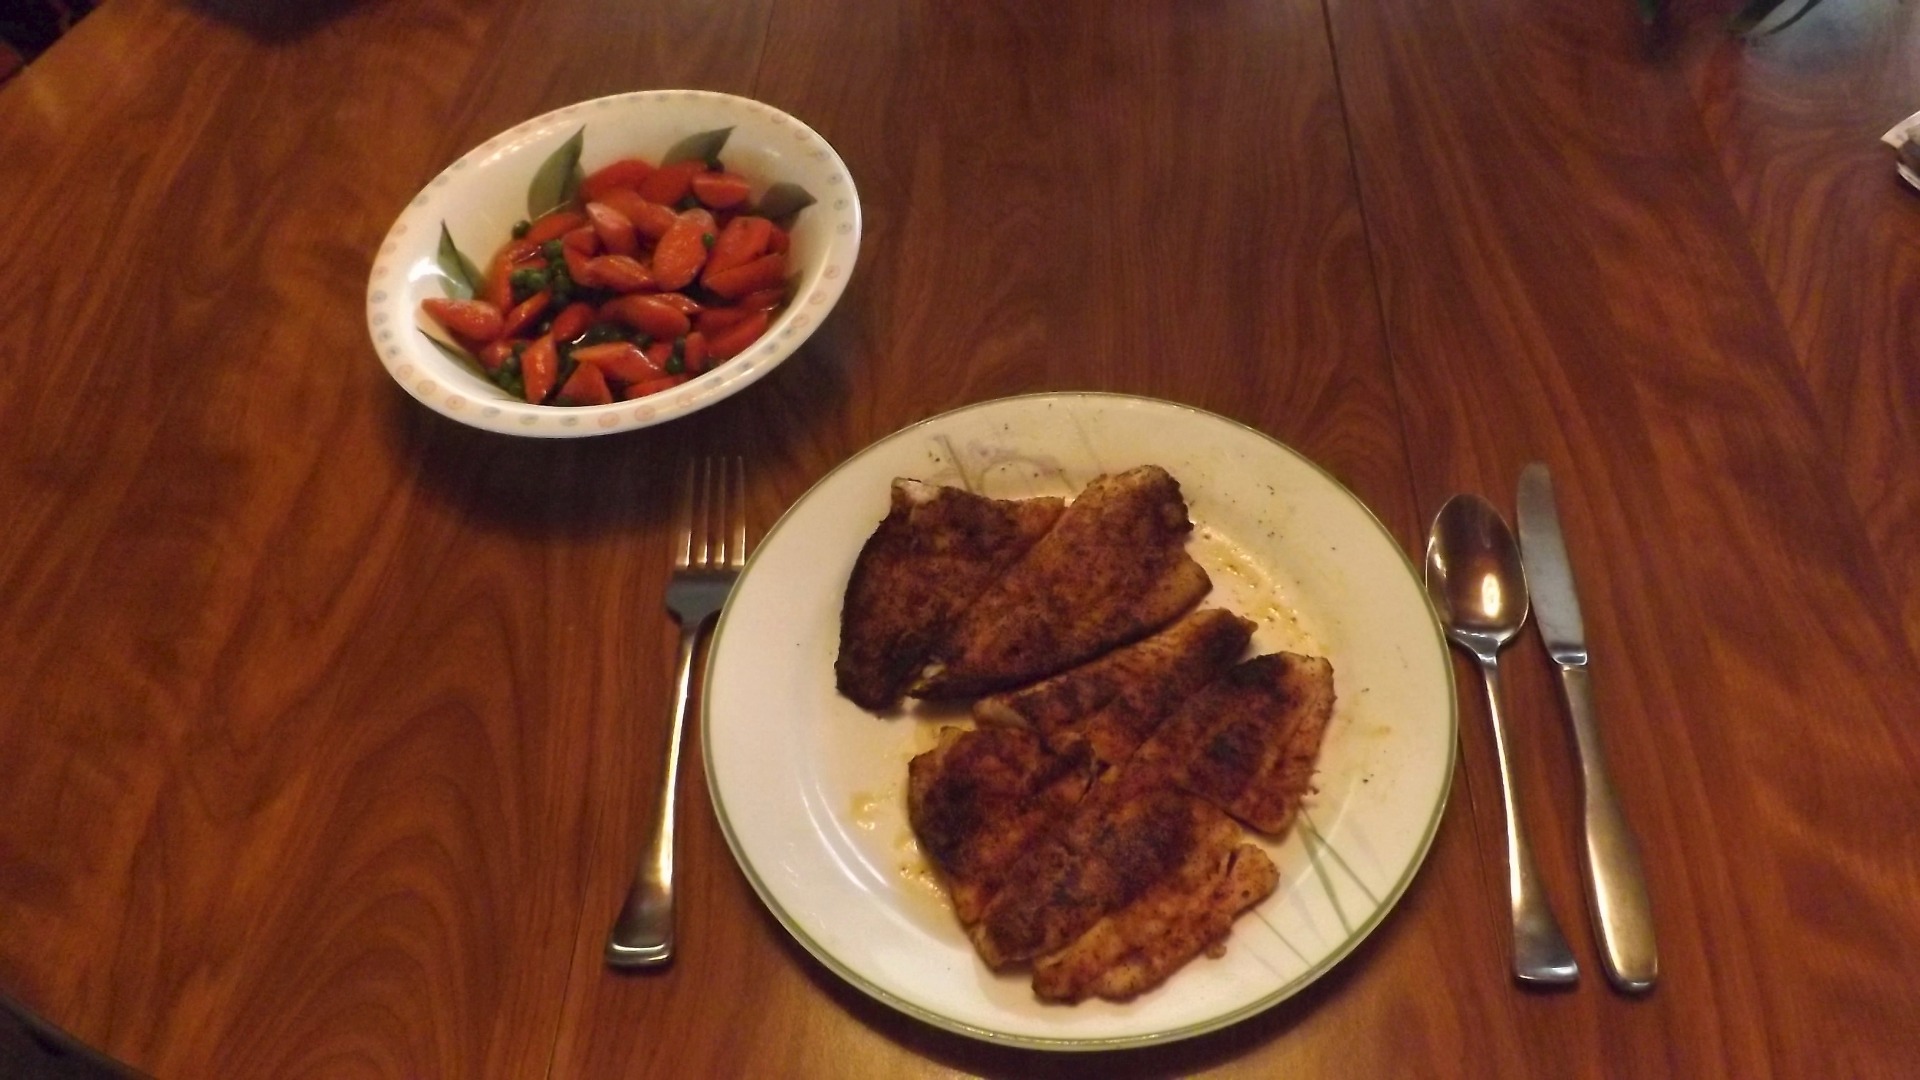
<point x="1479" y="590"/>
<point x="1474" y="576"/>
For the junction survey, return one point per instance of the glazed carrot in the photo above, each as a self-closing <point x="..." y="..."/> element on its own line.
<point x="765" y="272"/>
<point x="668" y="184"/>
<point x="716" y="320"/>
<point x="586" y="386"/>
<point x="572" y="321"/>
<point x="681" y="253"/>
<point x="498" y="289"/>
<point x="621" y="273"/>
<point x="552" y="227"/>
<point x="525" y="313"/>
<point x="495" y="354"/>
<point x="654" y="386"/>
<point x="764" y="299"/>
<point x="720" y="190"/>
<point x="614" y="229"/>
<point x="584" y="240"/>
<point x="743" y="240"/>
<point x="650" y="219"/>
<point x="695" y="353"/>
<point x="539" y="367"/>
<point x="777" y="241"/>
<point x="474" y="322"/>
<point x="577" y="268"/>
<point x="621" y="359"/>
<point x="735" y="339"/>
<point x="647" y="314"/>
<point x="680" y="302"/>
<point x="626" y="173"/>
<point x="660" y="355"/>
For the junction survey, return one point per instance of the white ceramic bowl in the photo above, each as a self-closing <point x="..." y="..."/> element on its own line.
<point x="480" y="196"/>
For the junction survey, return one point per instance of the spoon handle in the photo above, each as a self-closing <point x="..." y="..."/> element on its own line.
<point x="1622" y="915"/>
<point x="1540" y="950"/>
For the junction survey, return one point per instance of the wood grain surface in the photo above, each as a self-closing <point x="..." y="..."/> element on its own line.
<point x="331" y="727"/>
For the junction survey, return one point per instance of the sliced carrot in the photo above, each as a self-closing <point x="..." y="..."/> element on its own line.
<point x="668" y="184"/>
<point x="694" y="352"/>
<point x="681" y="302"/>
<point x="737" y="338"/>
<point x="742" y="241"/>
<point x="660" y="354"/>
<point x="552" y="227"/>
<point x="621" y="273"/>
<point x="577" y="268"/>
<point x="720" y="190"/>
<point x="586" y="386"/>
<point x="614" y="229"/>
<point x="765" y="272"/>
<point x="474" y="322"/>
<point x="626" y="173"/>
<point x="650" y="219"/>
<point x="654" y="386"/>
<point x="495" y="355"/>
<point x="498" y="289"/>
<point x="683" y="250"/>
<point x="777" y="241"/>
<point x="584" y="240"/>
<point x="764" y="299"/>
<point x="572" y="321"/>
<point x="621" y="359"/>
<point x="647" y="314"/>
<point x="539" y="367"/>
<point x="715" y="320"/>
<point x="526" y="313"/>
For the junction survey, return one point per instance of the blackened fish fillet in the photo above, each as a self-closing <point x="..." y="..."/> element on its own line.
<point x="1114" y="703"/>
<point x="1112" y="570"/>
<point x="1109" y="855"/>
<point x="936" y="551"/>
<point x="1247" y="743"/>
<point x="980" y="799"/>
<point x="1135" y="948"/>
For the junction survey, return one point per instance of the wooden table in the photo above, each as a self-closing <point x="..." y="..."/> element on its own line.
<point x="330" y="727"/>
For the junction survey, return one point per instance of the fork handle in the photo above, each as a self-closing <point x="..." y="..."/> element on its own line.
<point x="643" y="934"/>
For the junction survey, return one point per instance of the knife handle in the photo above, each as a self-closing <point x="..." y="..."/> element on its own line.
<point x="1622" y="916"/>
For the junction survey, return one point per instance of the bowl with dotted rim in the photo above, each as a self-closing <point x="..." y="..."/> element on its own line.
<point x="479" y="197"/>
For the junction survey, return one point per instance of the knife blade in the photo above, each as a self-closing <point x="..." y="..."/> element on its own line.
<point x="1616" y="885"/>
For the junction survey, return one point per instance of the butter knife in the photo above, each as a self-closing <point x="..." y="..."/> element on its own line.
<point x="1616" y="887"/>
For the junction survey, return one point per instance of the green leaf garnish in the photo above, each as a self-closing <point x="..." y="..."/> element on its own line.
<point x="1749" y="18"/>
<point x="557" y="178"/>
<point x="783" y="200"/>
<point x="704" y="146"/>
<point x="462" y="277"/>
<point x="457" y="354"/>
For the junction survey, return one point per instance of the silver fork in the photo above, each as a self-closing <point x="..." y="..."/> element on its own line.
<point x="711" y="548"/>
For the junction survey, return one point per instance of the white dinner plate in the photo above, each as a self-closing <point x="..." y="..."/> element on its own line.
<point x="810" y="788"/>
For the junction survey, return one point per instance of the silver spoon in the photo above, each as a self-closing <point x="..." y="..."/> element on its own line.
<point x="1479" y="590"/>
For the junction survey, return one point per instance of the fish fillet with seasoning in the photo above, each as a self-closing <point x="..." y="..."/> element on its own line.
<point x="1112" y="704"/>
<point x="1112" y="570"/>
<point x="1248" y="742"/>
<point x="937" y="549"/>
<point x="981" y="799"/>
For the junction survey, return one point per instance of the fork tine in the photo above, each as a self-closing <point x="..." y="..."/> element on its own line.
<point x="683" y="521"/>
<point x="704" y="550"/>
<point x="737" y="552"/>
